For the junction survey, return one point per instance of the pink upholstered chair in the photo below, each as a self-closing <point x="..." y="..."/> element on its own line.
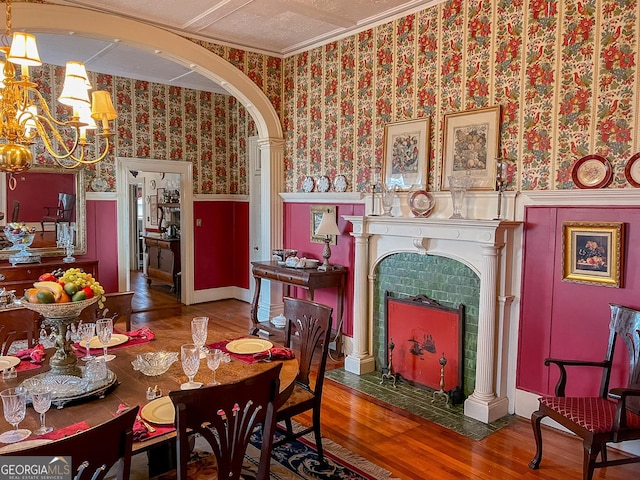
<point x="613" y="416"/>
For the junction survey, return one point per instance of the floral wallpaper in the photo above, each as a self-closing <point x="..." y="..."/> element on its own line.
<point x="164" y="122"/>
<point x="564" y="73"/>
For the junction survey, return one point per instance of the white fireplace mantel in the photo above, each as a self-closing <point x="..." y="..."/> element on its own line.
<point x="486" y="246"/>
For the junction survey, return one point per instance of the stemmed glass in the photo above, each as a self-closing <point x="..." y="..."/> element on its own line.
<point x="104" y="330"/>
<point x="41" y="399"/>
<point x="213" y="362"/>
<point x="87" y="331"/>
<point x="190" y="357"/>
<point x="199" y="327"/>
<point x="14" y="405"/>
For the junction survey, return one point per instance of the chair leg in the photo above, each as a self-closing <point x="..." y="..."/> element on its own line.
<point x="289" y="425"/>
<point x="591" y="453"/>
<point x="536" y="418"/>
<point x="316" y="431"/>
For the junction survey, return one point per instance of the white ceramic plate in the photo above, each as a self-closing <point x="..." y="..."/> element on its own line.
<point x="159" y="411"/>
<point x="14" y="447"/>
<point x="116" y="339"/>
<point x="246" y="346"/>
<point x="8" y="362"/>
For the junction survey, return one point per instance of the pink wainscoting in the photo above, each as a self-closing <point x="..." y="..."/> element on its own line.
<point x="221" y="253"/>
<point x="569" y="320"/>
<point x="297" y="233"/>
<point x="102" y="241"/>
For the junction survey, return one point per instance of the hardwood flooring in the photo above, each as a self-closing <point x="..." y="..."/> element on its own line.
<point x="408" y="446"/>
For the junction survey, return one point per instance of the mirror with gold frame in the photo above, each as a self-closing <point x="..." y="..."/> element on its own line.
<point x="36" y="192"/>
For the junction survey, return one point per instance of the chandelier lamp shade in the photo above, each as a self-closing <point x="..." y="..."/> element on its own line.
<point x="25" y="115"/>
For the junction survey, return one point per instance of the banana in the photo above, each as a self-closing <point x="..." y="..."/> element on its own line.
<point x="55" y="288"/>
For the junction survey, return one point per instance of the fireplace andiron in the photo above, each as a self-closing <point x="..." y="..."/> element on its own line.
<point x="443" y="362"/>
<point x="389" y="375"/>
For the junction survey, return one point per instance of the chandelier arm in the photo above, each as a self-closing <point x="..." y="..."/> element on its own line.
<point x="46" y="139"/>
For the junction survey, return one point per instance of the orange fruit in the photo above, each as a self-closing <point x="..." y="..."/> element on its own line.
<point x="31" y="295"/>
<point x="64" y="298"/>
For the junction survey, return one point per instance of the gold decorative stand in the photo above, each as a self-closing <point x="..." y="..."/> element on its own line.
<point x="443" y="362"/>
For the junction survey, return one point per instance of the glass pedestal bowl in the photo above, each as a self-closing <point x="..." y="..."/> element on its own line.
<point x="154" y="363"/>
<point x="21" y="242"/>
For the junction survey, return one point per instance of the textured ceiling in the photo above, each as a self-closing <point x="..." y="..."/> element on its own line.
<point x="276" y="27"/>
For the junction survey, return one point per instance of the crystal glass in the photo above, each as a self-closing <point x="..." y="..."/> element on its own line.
<point x="458" y="186"/>
<point x="14" y="405"/>
<point x="388" y="197"/>
<point x="190" y="357"/>
<point x="199" y="327"/>
<point x="214" y="357"/>
<point x="87" y="331"/>
<point x="41" y="399"/>
<point x="104" y="330"/>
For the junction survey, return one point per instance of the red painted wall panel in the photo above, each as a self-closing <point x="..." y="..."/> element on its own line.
<point x="564" y="319"/>
<point x="44" y="188"/>
<point x="102" y="241"/>
<point x="297" y="234"/>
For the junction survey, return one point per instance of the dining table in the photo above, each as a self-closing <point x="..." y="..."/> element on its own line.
<point x="132" y="386"/>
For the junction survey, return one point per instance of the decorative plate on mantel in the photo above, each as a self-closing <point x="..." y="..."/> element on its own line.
<point x="592" y="171"/>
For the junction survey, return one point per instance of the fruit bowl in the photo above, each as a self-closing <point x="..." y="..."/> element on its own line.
<point x="20" y="240"/>
<point x="59" y="310"/>
<point x="154" y="363"/>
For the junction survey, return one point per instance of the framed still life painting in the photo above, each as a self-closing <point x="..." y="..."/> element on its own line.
<point x="471" y="146"/>
<point x="593" y="253"/>
<point x="406" y="153"/>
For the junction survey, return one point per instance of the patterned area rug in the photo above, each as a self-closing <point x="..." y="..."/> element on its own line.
<point x="293" y="461"/>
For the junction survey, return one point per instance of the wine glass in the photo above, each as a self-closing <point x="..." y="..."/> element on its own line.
<point x="199" y="327"/>
<point x="190" y="357"/>
<point x="213" y="362"/>
<point x="87" y="331"/>
<point x="104" y="330"/>
<point x="41" y="399"/>
<point x="14" y="405"/>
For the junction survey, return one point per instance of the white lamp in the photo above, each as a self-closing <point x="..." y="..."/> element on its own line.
<point x="327" y="227"/>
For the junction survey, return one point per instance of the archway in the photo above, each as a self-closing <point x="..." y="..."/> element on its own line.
<point x="54" y="19"/>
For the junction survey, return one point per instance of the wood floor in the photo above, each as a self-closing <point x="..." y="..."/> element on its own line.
<point x="408" y="446"/>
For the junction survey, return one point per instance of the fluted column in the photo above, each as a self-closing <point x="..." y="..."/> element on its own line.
<point x="360" y="361"/>
<point x="483" y="404"/>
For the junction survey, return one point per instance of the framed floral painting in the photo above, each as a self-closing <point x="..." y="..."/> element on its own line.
<point x="406" y="153"/>
<point x="593" y="253"/>
<point x="471" y="147"/>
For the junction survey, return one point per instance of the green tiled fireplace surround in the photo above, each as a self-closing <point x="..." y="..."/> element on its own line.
<point x="442" y="279"/>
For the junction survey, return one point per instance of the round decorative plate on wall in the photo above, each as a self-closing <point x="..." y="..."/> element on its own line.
<point x="308" y="184"/>
<point x="632" y="170"/>
<point x="592" y="171"/>
<point x="421" y="203"/>
<point x="323" y="184"/>
<point x="340" y="184"/>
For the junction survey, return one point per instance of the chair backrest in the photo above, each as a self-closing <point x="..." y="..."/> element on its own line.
<point x="119" y="303"/>
<point x="309" y="323"/>
<point x="66" y="204"/>
<point x="625" y="325"/>
<point x="18" y="324"/>
<point x="93" y="452"/>
<point x="225" y="416"/>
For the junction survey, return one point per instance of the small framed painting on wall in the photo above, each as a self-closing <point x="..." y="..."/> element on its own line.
<point x="406" y="153"/>
<point x="592" y="253"/>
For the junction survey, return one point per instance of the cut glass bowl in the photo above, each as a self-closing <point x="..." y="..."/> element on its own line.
<point x="154" y="363"/>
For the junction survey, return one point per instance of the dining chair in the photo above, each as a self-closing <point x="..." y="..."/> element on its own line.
<point x="18" y="324"/>
<point x="611" y="417"/>
<point x="225" y="416"/>
<point x="309" y="328"/>
<point x="119" y="303"/>
<point x="62" y="212"/>
<point x="94" y="451"/>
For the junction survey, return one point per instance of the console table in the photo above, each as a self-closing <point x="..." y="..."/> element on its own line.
<point x="310" y="279"/>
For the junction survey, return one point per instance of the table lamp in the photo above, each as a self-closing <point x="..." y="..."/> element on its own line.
<point x="327" y="227"/>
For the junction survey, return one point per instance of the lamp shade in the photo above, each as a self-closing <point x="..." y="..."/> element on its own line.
<point x="328" y="225"/>
<point x="101" y="107"/>
<point x="74" y="91"/>
<point x="24" y="50"/>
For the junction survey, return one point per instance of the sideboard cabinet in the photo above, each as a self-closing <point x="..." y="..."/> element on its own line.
<point x="163" y="259"/>
<point x="22" y="276"/>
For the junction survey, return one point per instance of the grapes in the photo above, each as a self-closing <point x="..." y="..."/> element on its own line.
<point x="81" y="280"/>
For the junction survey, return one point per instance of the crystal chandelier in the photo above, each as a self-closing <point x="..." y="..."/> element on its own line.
<point x="25" y="115"/>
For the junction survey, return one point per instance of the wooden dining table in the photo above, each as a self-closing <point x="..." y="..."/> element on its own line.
<point x="131" y="386"/>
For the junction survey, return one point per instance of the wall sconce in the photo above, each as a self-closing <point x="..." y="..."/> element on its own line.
<point x="327" y="227"/>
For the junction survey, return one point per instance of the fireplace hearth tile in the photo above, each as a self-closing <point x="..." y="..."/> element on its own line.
<point x="418" y="402"/>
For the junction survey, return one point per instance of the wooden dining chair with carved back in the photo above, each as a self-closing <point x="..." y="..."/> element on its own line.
<point x="225" y="416"/>
<point x="18" y="324"/>
<point x="115" y="303"/>
<point x="308" y="332"/>
<point x="62" y="212"/>
<point x="612" y="416"/>
<point x="94" y="451"/>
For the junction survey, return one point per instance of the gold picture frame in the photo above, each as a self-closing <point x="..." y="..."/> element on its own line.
<point x="471" y="145"/>
<point x="593" y="253"/>
<point x="315" y="218"/>
<point x="406" y="153"/>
